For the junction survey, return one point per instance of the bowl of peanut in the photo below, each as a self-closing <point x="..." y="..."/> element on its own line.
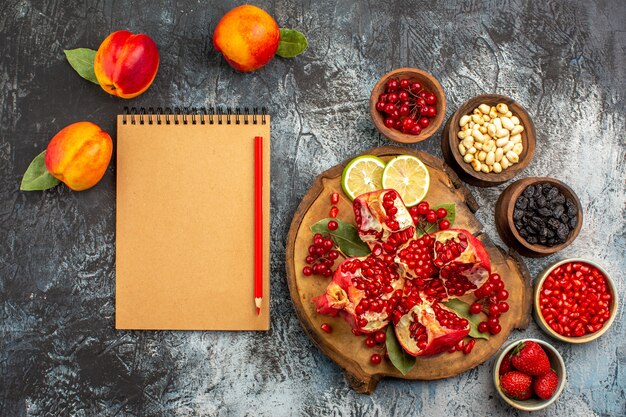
<point x="488" y="140"/>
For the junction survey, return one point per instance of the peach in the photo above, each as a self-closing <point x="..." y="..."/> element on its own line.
<point x="79" y="155"/>
<point x="248" y="38"/>
<point x="126" y="64"/>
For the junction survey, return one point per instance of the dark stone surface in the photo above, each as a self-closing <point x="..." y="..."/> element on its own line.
<point x="59" y="355"/>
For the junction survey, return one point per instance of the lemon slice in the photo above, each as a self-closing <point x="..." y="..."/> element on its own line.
<point x="408" y="176"/>
<point x="362" y="175"/>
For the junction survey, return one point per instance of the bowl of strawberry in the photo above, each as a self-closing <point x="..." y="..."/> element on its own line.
<point x="575" y="300"/>
<point x="407" y="105"/>
<point x="529" y="374"/>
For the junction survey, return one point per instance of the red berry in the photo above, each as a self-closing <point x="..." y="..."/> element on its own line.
<point x="483" y="327"/>
<point x="380" y="106"/>
<point x="431" y="99"/>
<point x="407" y="124"/>
<point x="476" y="308"/>
<point x="389" y="122"/>
<point x="334" y="198"/>
<point x="389" y="108"/>
<point x="420" y="102"/>
<point x="405" y="83"/>
<point x="333" y="225"/>
<point x="380" y="337"/>
<point x="416" y="87"/>
<point x="333" y="211"/>
<point x="370" y="342"/>
<point x="503" y="307"/>
<point x="326" y="327"/>
<point x="431" y="216"/>
<point x="495" y="329"/>
<point x="416" y="130"/>
<point x="403" y="96"/>
<point x="442" y="212"/>
<point x="392" y="97"/>
<point x="307" y="271"/>
<point x="392" y="85"/>
<point x="423" y="122"/>
<point x="423" y="207"/>
<point x="404" y="110"/>
<point x="376" y="359"/>
<point x="444" y="224"/>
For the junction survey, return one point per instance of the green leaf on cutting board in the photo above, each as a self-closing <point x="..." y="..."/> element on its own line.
<point x="292" y="43"/>
<point x="346" y="237"/>
<point x="81" y="59"/>
<point x="425" y="227"/>
<point x="463" y="310"/>
<point x="398" y="357"/>
<point x="37" y="177"/>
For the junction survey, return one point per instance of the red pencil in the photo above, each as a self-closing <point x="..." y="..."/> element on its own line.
<point x="258" y="223"/>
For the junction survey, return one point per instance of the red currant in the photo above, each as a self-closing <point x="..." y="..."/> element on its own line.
<point x="307" y="271"/>
<point x="423" y="207"/>
<point x="495" y="329"/>
<point x="380" y="337"/>
<point x="376" y="359"/>
<point x="370" y="342"/>
<point x="442" y="212"/>
<point x="444" y="224"/>
<point x="403" y="96"/>
<point x="416" y="130"/>
<point x="503" y="307"/>
<point x="483" y="327"/>
<point x="389" y="122"/>
<point x="431" y="216"/>
<point x="380" y="106"/>
<point x="333" y="225"/>
<point x="423" y="122"/>
<point x="502" y="294"/>
<point x="476" y="308"/>
<point x="431" y="99"/>
<point x="392" y="97"/>
<point x="405" y="84"/>
<point x="392" y="85"/>
<point x="389" y="108"/>
<point x="416" y="87"/>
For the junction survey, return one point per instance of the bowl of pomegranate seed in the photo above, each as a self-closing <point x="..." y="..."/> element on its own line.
<point x="575" y="300"/>
<point x="529" y="374"/>
<point x="407" y="105"/>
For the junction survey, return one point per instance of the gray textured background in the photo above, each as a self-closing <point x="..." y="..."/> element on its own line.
<point x="59" y="355"/>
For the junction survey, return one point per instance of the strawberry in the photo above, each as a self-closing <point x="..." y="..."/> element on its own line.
<point x="516" y="385"/>
<point x="505" y="365"/>
<point x="545" y="385"/>
<point x="530" y="358"/>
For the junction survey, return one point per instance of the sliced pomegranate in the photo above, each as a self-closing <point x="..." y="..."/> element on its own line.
<point x="383" y="221"/>
<point x="416" y="258"/>
<point x="430" y="329"/>
<point x="363" y="291"/>
<point x="463" y="261"/>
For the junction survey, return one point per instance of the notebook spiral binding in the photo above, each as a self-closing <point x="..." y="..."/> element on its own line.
<point x="186" y="115"/>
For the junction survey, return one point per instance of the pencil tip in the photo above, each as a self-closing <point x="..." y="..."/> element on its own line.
<point x="258" y="311"/>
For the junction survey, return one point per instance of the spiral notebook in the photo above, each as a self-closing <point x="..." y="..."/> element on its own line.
<point x="185" y="220"/>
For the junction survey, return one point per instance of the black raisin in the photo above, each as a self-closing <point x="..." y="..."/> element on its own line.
<point x="523" y="232"/>
<point x="538" y="190"/>
<point x="542" y="240"/>
<point x="550" y="233"/>
<point x="558" y="210"/>
<point x="553" y="224"/>
<point x="541" y="201"/>
<point x="545" y="212"/>
<point x="529" y="191"/>
<point x="564" y="218"/>
<point x="518" y="225"/>
<point x="518" y="214"/>
<point x="532" y="204"/>
<point x="562" y="232"/>
<point x="551" y="241"/>
<point x="552" y="193"/>
<point x="559" y="199"/>
<point x="532" y="240"/>
<point x="572" y="222"/>
<point x="521" y="203"/>
<point x="543" y="232"/>
<point x="571" y="208"/>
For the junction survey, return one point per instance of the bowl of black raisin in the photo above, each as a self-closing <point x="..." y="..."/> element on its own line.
<point x="538" y="216"/>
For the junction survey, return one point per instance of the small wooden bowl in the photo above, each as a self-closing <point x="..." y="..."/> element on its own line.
<point x="556" y="363"/>
<point x="588" y="337"/>
<point x="450" y="142"/>
<point x="506" y="227"/>
<point x="429" y="83"/>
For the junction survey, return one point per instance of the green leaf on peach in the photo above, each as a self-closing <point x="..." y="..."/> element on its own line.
<point x="37" y="177"/>
<point x="292" y="43"/>
<point x="81" y="59"/>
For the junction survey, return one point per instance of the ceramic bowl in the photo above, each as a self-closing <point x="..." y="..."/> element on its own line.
<point x="505" y="206"/>
<point x="450" y="142"/>
<point x="429" y="83"/>
<point x="588" y="337"/>
<point x="534" y="403"/>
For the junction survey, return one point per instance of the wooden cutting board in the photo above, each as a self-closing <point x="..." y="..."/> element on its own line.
<point x="349" y="351"/>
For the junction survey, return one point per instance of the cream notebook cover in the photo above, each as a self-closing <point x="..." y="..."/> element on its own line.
<point x="185" y="223"/>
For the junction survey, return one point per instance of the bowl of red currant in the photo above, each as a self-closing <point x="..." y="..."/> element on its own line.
<point x="407" y="105"/>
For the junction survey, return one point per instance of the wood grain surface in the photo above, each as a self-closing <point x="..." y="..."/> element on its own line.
<point x="563" y="61"/>
<point x="349" y="351"/>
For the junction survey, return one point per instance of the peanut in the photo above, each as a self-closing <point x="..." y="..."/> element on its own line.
<point x="462" y="149"/>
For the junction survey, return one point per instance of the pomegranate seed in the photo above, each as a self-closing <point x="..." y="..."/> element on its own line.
<point x="469" y="346"/>
<point x="326" y="327"/>
<point x="376" y="359"/>
<point x="334" y="211"/>
<point x="334" y="198"/>
<point x="333" y="225"/>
